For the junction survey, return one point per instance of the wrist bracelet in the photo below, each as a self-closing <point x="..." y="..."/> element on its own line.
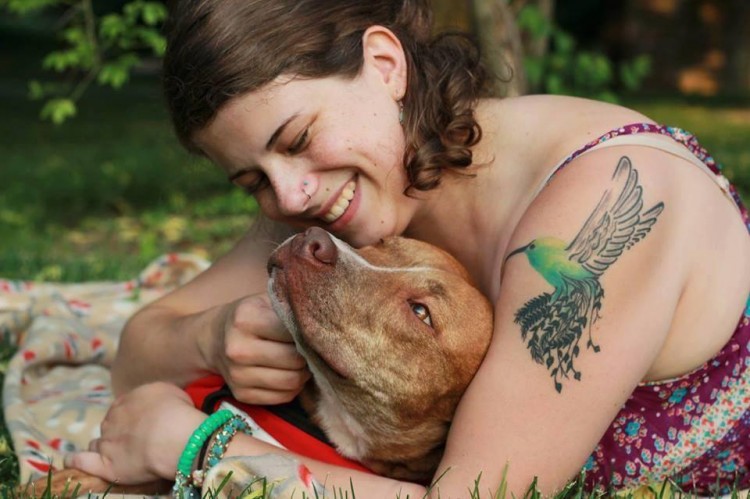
<point x="182" y="488"/>
<point x="227" y="431"/>
<point x="218" y="446"/>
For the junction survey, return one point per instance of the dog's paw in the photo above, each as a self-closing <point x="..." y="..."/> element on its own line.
<point x="270" y="475"/>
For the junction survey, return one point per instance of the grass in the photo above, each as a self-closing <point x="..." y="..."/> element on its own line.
<point x="259" y="488"/>
<point x="100" y="197"/>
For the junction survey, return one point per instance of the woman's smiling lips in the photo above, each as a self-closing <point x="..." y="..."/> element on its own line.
<point x="335" y="208"/>
<point x="341" y="203"/>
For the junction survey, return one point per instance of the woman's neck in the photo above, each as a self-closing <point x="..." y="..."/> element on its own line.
<point x="473" y="217"/>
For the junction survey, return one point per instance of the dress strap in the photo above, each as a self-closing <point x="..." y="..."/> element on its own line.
<point x="686" y="146"/>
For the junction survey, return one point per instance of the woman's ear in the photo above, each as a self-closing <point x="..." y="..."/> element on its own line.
<point x="382" y="51"/>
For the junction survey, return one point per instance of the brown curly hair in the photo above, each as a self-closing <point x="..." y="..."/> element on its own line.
<point x="220" y="49"/>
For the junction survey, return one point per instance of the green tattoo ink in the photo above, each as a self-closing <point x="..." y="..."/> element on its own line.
<point x="552" y="323"/>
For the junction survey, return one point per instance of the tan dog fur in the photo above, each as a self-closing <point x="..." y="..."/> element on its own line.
<point x="386" y="383"/>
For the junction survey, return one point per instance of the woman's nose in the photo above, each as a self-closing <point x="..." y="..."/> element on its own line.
<point x="294" y="192"/>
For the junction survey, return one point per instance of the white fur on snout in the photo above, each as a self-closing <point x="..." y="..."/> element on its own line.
<point x="359" y="260"/>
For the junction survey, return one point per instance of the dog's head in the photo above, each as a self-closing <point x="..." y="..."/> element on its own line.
<point x="393" y="334"/>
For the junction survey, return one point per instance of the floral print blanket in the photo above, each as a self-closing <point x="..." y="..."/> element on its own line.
<point x="57" y="385"/>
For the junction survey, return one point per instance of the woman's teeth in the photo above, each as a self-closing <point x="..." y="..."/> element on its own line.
<point x="341" y="204"/>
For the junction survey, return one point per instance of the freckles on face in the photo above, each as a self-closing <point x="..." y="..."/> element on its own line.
<point x="352" y="135"/>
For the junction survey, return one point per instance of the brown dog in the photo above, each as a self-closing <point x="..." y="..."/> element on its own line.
<point x="393" y="334"/>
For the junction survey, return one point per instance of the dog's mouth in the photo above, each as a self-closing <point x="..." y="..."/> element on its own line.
<point x="317" y="359"/>
<point x="305" y="335"/>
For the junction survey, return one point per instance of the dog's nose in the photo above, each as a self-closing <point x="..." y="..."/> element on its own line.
<point x="318" y="244"/>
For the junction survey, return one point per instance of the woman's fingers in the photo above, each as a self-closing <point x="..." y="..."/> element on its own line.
<point x="242" y="381"/>
<point x="255" y="314"/>
<point x="92" y="463"/>
<point x="263" y="353"/>
<point x="94" y="445"/>
<point x="260" y="396"/>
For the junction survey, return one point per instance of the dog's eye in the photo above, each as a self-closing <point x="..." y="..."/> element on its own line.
<point x="422" y="313"/>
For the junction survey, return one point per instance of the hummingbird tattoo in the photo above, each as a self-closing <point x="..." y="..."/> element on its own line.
<point x="552" y="323"/>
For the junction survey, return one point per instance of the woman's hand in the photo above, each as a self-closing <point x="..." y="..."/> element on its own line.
<point x="255" y="354"/>
<point x="143" y="436"/>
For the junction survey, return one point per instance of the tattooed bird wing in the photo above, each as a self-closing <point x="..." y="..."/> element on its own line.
<point x="616" y="223"/>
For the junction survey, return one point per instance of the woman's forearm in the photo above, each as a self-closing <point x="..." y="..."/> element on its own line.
<point x="341" y="480"/>
<point x="159" y="344"/>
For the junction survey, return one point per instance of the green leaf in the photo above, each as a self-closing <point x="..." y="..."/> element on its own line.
<point x="633" y="72"/>
<point x="152" y="39"/>
<point x="61" y="60"/>
<point x="74" y="35"/>
<point x="564" y="43"/>
<point x="642" y="65"/>
<point x="608" y="96"/>
<point x="531" y="19"/>
<point x="36" y="90"/>
<point x="117" y="73"/>
<point x="534" y="67"/>
<point x="154" y="13"/>
<point x="112" y="75"/>
<point x="58" y="110"/>
<point x="554" y="84"/>
<point x="111" y="27"/>
<point x="23" y="7"/>
<point x="131" y="10"/>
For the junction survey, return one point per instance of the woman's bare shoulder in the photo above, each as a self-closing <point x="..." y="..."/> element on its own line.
<point x="556" y="126"/>
<point x="543" y="104"/>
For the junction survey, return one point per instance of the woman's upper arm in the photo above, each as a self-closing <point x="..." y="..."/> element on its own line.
<point x="584" y="309"/>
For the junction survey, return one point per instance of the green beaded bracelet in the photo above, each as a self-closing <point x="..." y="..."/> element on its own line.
<point x="217" y="446"/>
<point x="222" y="437"/>
<point x="200" y="435"/>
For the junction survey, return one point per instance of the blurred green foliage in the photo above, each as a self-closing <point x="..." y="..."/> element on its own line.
<point x="101" y="197"/>
<point x="568" y="70"/>
<point x="100" y="47"/>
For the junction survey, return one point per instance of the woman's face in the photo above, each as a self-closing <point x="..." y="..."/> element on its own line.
<point x="325" y="152"/>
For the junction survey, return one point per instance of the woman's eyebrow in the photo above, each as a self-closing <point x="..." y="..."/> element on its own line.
<point x="277" y="133"/>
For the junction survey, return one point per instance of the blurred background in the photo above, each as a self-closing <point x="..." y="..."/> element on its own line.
<point x="94" y="185"/>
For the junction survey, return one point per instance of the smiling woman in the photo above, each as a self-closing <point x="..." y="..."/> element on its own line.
<point x="345" y="174"/>
<point x="351" y="117"/>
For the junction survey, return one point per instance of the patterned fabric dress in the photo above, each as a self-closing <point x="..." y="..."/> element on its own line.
<point x="694" y="429"/>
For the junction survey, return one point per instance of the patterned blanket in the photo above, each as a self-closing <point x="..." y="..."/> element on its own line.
<point x="57" y="385"/>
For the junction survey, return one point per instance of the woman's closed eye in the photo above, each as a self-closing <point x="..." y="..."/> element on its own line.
<point x="251" y="181"/>
<point x="299" y="143"/>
